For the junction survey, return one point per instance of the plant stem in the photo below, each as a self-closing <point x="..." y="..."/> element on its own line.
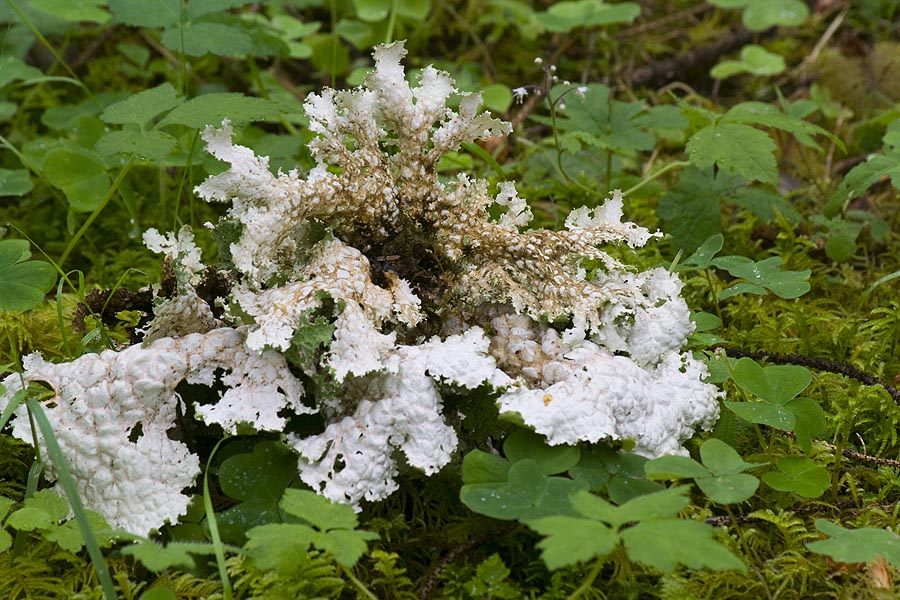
<point x="587" y="583"/>
<point x="669" y="167"/>
<point x="358" y="584"/>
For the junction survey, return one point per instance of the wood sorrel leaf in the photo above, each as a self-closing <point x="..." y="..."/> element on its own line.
<point x="800" y="475"/>
<point x="23" y="283"/>
<point x="776" y="384"/>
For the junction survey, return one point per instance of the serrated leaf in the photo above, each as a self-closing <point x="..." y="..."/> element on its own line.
<point x="198" y="38"/>
<point x="211" y="109"/>
<point x="143" y="106"/>
<point x="158" y="558"/>
<point x="777" y="384"/>
<point x="278" y="546"/>
<point x="658" y="505"/>
<point x="68" y="535"/>
<point x="563" y="17"/>
<point x="800" y="475"/>
<point x="862" y="177"/>
<point x="347" y="546"/>
<point x="80" y="174"/>
<point x="23" y="283"/>
<point x="595" y="120"/>
<point x="5" y="505"/>
<point x="73" y="11"/>
<point x="524" y="444"/>
<point x="14" y="182"/>
<point x="691" y="209"/>
<point x="857" y="545"/>
<point x="570" y="540"/>
<point x="769" y="115"/>
<point x="665" y="544"/>
<point x="147" y="13"/>
<point x="6" y="540"/>
<point x="51" y="503"/>
<point x="317" y="510"/>
<point x="152" y="145"/>
<point x="29" y="518"/>
<point x="736" y="149"/>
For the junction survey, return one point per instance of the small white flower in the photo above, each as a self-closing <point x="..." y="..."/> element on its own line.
<point x="580" y="90"/>
<point x="538" y="60"/>
<point x="519" y="94"/>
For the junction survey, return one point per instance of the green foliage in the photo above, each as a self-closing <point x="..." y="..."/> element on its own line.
<point x="857" y="545"/>
<point x="721" y="476"/>
<point x="23" y="282"/>
<point x="315" y="522"/>
<point x="645" y="526"/>
<point x="521" y="486"/>
<point x="777" y="388"/>
<point x="101" y="104"/>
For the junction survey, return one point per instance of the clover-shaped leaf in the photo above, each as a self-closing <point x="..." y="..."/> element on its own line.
<point x="776" y="384"/>
<point x="800" y="475"/>
<point x="763" y="277"/>
<point x="23" y="282"/>
<point x="720" y="476"/>
<point x="755" y="60"/>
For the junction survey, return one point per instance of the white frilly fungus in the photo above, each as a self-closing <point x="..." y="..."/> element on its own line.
<point x="617" y="372"/>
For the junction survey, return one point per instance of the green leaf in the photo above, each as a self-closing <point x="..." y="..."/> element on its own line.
<point x="416" y="10"/>
<point x="490" y="581"/>
<point x="765" y="274"/>
<point x="158" y="558"/>
<point x="528" y="494"/>
<point x="862" y="177"/>
<point x="199" y="8"/>
<point x="23" y="283"/>
<point x="736" y="149"/>
<point x="152" y="145"/>
<point x="722" y="459"/>
<point x="755" y="60"/>
<point x="857" y="545"/>
<point x="524" y="444"/>
<point x="13" y="69"/>
<point x="345" y="545"/>
<point x="798" y="474"/>
<point x="777" y="384"/>
<point x="764" y="413"/>
<point x="259" y="479"/>
<point x="691" y="209"/>
<point x="198" y="38"/>
<point x="769" y="115"/>
<point x="809" y="418"/>
<point x="143" y="106"/>
<point x="279" y="546"/>
<point x="211" y="109"/>
<point x="6" y="540"/>
<point x="728" y="489"/>
<point x="667" y="543"/>
<point x="14" y="182"/>
<point x="675" y="467"/>
<point x="658" y="505"/>
<point x="372" y="10"/>
<point x="73" y="11"/>
<point x="702" y="257"/>
<point x="570" y="540"/>
<point x="626" y="127"/>
<point x="147" y="13"/>
<point x="762" y="14"/>
<point x="68" y="535"/>
<point x="563" y="17"/>
<point x="484" y="467"/>
<point x="318" y="511"/>
<point x="80" y="174"/>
